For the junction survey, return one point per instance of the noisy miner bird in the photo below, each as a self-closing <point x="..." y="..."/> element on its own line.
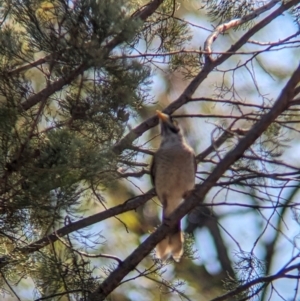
<point x="173" y="176"/>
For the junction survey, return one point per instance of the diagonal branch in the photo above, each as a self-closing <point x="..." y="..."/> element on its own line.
<point x="259" y="280"/>
<point x="143" y="14"/>
<point x="36" y="63"/>
<point x="185" y="97"/>
<point x="54" y="87"/>
<point x="228" y="133"/>
<point x="85" y="222"/>
<point x="198" y="195"/>
<point x="234" y="23"/>
<point x="128" y="205"/>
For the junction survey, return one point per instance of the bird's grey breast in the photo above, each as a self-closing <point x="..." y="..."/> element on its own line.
<point x="175" y="171"/>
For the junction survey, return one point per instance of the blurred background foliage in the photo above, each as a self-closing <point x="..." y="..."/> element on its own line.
<point x="76" y="77"/>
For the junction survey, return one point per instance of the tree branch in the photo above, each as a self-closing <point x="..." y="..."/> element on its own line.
<point x="267" y="279"/>
<point x="234" y="23"/>
<point x="36" y="63"/>
<point x="128" y="205"/>
<point x="143" y="14"/>
<point x="198" y="195"/>
<point x="185" y="97"/>
<point x="88" y="221"/>
<point x="51" y="89"/>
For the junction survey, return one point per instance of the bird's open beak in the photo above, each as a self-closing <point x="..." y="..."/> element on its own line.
<point x="162" y="116"/>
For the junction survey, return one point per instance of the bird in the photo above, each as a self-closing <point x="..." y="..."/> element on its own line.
<point x="172" y="173"/>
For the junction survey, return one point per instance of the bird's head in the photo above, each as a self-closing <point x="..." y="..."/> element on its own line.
<point x="170" y="130"/>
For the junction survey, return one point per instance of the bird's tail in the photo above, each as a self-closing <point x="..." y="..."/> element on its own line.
<point x="171" y="245"/>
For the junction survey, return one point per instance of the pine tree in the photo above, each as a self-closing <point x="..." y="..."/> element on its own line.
<point x="78" y="89"/>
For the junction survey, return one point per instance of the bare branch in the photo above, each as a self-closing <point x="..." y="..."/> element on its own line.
<point x="234" y="23"/>
<point x="197" y="196"/>
<point x="267" y="280"/>
<point x="36" y="63"/>
<point x="185" y="97"/>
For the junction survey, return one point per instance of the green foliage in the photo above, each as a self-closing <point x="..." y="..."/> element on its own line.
<point x="248" y="268"/>
<point x="187" y="64"/>
<point x="52" y="152"/>
<point x="62" y="263"/>
<point x="162" y="33"/>
<point x="74" y="79"/>
<point x="225" y="10"/>
<point x="189" y="242"/>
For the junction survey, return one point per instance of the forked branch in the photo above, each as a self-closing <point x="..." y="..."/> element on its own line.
<point x="198" y="195"/>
